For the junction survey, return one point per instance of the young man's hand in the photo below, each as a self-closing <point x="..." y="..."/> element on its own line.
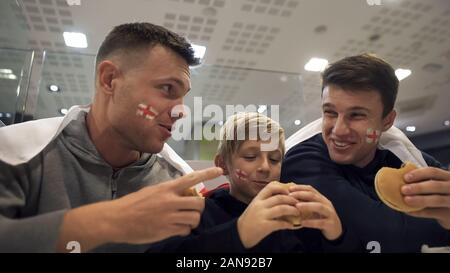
<point x="430" y="188"/>
<point x="263" y="214"/>
<point x="323" y="214"/>
<point x="151" y="214"/>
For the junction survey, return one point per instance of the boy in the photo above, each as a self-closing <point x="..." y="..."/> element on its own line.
<point x="247" y="216"/>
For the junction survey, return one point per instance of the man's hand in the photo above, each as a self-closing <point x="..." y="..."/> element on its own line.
<point x="149" y="215"/>
<point x="314" y="203"/>
<point x="430" y="188"/>
<point x="262" y="215"/>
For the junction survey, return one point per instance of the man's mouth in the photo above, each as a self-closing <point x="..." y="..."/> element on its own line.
<point x="168" y="127"/>
<point x="341" y="145"/>
<point x="166" y="130"/>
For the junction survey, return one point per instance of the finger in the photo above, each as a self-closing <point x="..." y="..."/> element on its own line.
<point x="309" y="196"/>
<point x="428" y="173"/>
<point x="301" y="187"/>
<point x="280" y="224"/>
<point x="431" y="201"/>
<point x="314" y="208"/>
<point x="188" y="203"/>
<point x="427" y="187"/>
<point x="273" y="188"/>
<point x="315" y="223"/>
<point x="279" y="199"/>
<point x="282" y="210"/>
<point x="193" y="178"/>
<point x="434" y="213"/>
<point x="187" y="218"/>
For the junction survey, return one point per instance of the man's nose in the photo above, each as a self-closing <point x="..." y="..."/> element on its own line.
<point x="341" y="127"/>
<point x="177" y="111"/>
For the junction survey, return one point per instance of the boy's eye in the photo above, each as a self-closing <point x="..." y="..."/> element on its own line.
<point x="249" y="157"/>
<point x="275" y="160"/>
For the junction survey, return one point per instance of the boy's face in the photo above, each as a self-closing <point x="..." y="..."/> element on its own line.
<point x="352" y="124"/>
<point x="251" y="169"/>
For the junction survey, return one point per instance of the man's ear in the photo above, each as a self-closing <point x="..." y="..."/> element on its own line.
<point x="107" y="72"/>
<point x="388" y="121"/>
<point x="220" y="162"/>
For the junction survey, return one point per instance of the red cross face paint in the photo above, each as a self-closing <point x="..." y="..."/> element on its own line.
<point x="243" y="176"/>
<point x="146" y="111"/>
<point x="372" y="136"/>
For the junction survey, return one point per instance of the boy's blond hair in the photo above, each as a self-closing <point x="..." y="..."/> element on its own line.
<point x="241" y="127"/>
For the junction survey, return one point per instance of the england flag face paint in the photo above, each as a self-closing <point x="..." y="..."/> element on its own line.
<point x="372" y="136"/>
<point x="146" y="111"/>
<point x="243" y="176"/>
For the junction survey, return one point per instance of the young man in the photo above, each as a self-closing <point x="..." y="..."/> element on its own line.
<point x="246" y="216"/>
<point x="84" y="178"/>
<point x="341" y="160"/>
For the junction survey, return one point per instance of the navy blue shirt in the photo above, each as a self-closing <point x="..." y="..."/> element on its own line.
<point x="352" y="192"/>
<point x="217" y="232"/>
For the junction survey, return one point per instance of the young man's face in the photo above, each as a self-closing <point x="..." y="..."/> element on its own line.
<point x="251" y="169"/>
<point x="351" y="121"/>
<point x="158" y="83"/>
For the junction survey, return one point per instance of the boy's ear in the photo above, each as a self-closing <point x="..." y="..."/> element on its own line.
<point x="219" y="162"/>
<point x="388" y="121"/>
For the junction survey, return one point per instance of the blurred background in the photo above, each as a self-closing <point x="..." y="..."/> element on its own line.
<point x="257" y="52"/>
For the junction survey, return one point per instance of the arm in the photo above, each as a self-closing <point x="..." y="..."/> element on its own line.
<point x="20" y="229"/>
<point x="151" y="214"/>
<point x="368" y="218"/>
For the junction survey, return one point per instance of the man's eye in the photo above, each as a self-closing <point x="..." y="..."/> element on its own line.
<point x="357" y="115"/>
<point x="167" y="87"/>
<point x="329" y="113"/>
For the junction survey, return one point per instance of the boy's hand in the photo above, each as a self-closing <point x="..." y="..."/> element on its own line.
<point x="261" y="217"/>
<point x="314" y="203"/>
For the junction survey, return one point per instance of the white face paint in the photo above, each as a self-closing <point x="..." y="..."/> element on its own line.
<point x="241" y="175"/>
<point x="372" y="136"/>
<point x="146" y="111"/>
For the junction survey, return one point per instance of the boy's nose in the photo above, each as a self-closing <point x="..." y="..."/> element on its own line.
<point x="265" y="165"/>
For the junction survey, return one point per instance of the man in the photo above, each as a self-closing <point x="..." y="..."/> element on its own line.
<point x="341" y="159"/>
<point x="82" y="181"/>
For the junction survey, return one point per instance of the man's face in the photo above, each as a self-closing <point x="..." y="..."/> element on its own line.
<point x="160" y="80"/>
<point x="351" y="119"/>
<point x="251" y="169"/>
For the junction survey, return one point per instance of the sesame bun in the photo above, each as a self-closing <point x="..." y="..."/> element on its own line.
<point x="388" y="184"/>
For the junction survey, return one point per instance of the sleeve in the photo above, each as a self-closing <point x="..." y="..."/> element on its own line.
<point x="21" y="231"/>
<point x="218" y="239"/>
<point x="369" y="219"/>
<point x="217" y="232"/>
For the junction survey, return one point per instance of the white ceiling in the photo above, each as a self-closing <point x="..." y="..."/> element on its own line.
<point x="256" y="49"/>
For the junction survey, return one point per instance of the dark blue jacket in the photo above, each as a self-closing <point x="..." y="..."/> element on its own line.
<point x="217" y="232"/>
<point x="351" y="190"/>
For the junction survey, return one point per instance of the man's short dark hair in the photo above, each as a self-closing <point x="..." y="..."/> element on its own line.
<point x="364" y="72"/>
<point x="140" y="36"/>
